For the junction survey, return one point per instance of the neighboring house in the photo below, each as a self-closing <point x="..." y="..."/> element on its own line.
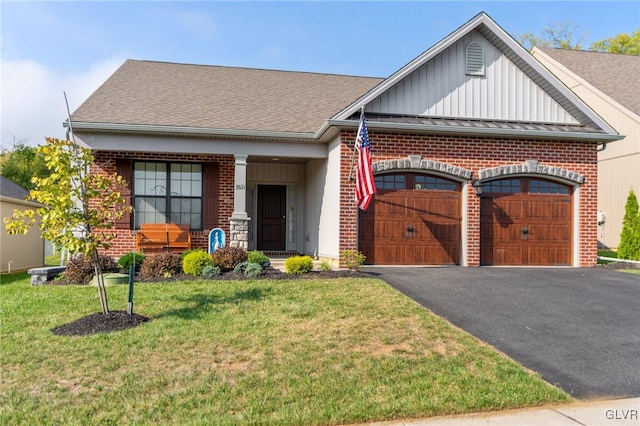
<point x="19" y="252"/>
<point x="610" y="84"/>
<point x="267" y="156"/>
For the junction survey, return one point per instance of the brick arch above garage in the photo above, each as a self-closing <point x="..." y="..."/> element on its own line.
<point x="416" y="163"/>
<point x="531" y="168"/>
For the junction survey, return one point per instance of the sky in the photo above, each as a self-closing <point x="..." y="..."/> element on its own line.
<point x="48" y="48"/>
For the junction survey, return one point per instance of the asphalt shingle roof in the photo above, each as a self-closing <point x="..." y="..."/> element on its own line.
<point x="10" y="189"/>
<point x="216" y="97"/>
<point x="614" y="74"/>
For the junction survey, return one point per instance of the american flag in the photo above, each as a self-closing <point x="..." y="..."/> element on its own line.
<point x="365" y="184"/>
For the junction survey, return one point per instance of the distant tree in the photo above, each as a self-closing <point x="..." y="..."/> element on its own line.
<point x="560" y="35"/>
<point x="21" y="164"/>
<point x="628" y="44"/>
<point x="629" y="247"/>
<point x="79" y="208"/>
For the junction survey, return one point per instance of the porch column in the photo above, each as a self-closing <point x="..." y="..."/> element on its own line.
<point x="239" y="222"/>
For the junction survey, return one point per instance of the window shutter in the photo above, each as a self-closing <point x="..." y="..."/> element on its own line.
<point x="210" y="196"/>
<point x="124" y="169"/>
<point x="475" y="59"/>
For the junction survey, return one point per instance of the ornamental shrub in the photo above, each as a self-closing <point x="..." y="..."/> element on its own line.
<point x="258" y="257"/>
<point x="126" y="260"/>
<point x="629" y="247"/>
<point x="194" y="262"/>
<point x="209" y="272"/>
<point x="226" y="258"/>
<point x="161" y="265"/>
<point x="80" y="269"/>
<point x="248" y="269"/>
<point x="253" y="270"/>
<point x="325" y="266"/>
<point x="186" y="252"/>
<point x="298" y="265"/>
<point x="352" y="259"/>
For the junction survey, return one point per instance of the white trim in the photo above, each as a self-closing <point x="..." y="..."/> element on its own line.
<point x="464" y="224"/>
<point x="480" y="131"/>
<point x="185" y="130"/>
<point x="18" y="201"/>
<point x="576" y="225"/>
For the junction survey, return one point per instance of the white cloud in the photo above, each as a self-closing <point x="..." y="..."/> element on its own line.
<point x="197" y="23"/>
<point x="33" y="106"/>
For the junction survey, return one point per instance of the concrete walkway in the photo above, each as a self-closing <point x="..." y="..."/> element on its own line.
<point x="620" y="412"/>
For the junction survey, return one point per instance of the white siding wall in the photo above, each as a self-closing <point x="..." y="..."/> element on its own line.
<point x="440" y="88"/>
<point x="329" y="220"/>
<point x="313" y="195"/>
<point x="23" y="251"/>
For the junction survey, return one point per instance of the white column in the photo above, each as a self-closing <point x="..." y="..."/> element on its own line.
<point x="240" y="188"/>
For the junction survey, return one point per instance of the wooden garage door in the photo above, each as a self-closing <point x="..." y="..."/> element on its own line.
<point x="414" y="219"/>
<point x="525" y="222"/>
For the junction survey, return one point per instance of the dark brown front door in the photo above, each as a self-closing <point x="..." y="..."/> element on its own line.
<point x="525" y="222"/>
<point x="271" y="220"/>
<point x="413" y="220"/>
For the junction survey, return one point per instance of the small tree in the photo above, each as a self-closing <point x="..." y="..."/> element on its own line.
<point x="559" y="35"/>
<point x="21" y="164"/>
<point x="79" y="208"/>
<point x="629" y="247"/>
<point x="628" y="44"/>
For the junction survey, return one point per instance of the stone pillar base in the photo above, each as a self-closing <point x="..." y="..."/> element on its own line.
<point x="239" y="233"/>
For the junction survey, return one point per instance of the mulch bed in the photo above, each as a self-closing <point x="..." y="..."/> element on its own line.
<point x="100" y="323"/>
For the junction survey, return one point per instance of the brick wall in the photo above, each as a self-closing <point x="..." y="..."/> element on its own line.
<point x="477" y="153"/>
<point x="125" y="238"/>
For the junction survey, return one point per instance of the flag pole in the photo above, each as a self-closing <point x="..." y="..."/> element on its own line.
<point x="355" y="148"/>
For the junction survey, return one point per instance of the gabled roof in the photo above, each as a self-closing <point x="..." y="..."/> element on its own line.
<point x="616" y="75"/>
<point x="170" y="98"/>
<point x="171" y="95"/>
<point x="512" y="50"/>
<point x="10" y="189"/>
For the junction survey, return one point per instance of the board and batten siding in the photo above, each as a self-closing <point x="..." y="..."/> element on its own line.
<point x="441" y="88"/>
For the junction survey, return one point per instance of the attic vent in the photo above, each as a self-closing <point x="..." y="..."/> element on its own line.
<point x="475" y="59"/>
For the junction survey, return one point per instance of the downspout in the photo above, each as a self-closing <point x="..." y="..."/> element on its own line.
<point x="604" y="146"/>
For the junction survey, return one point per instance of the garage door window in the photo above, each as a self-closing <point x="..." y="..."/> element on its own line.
<point x="400" y="181"/>
<point x="390" y="182"/>
<point x="504" y="186"/>
<point x="546" y="187"/>
<point x="433" y="183"/>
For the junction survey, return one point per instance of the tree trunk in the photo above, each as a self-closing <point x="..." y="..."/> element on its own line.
<point x="102" y="291"/>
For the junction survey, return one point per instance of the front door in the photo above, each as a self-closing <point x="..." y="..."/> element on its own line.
<point x="272" y="218"/>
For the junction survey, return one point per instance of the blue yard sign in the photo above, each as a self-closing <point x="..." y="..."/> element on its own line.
<point x="216" y="239"/>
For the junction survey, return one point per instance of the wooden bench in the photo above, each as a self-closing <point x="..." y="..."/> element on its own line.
<point x="163" y="236"/>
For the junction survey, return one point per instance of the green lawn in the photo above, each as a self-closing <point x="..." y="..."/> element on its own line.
<point x="253" y="352"/>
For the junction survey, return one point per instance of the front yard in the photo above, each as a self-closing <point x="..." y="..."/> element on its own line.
<point x="315" y="351"/>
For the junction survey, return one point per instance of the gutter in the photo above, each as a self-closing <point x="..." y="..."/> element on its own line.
<point x="183" y="130"/>
<point x="482" y="131"/>
<point x="328" y="124"/>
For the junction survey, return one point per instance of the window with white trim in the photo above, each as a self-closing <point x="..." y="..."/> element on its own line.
<point x="167" y="192"/>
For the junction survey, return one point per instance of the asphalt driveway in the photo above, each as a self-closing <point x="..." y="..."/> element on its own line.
<point x="578" y="328"/>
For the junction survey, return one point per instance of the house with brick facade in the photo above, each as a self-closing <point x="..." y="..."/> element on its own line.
<point x="480" y="156"/>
